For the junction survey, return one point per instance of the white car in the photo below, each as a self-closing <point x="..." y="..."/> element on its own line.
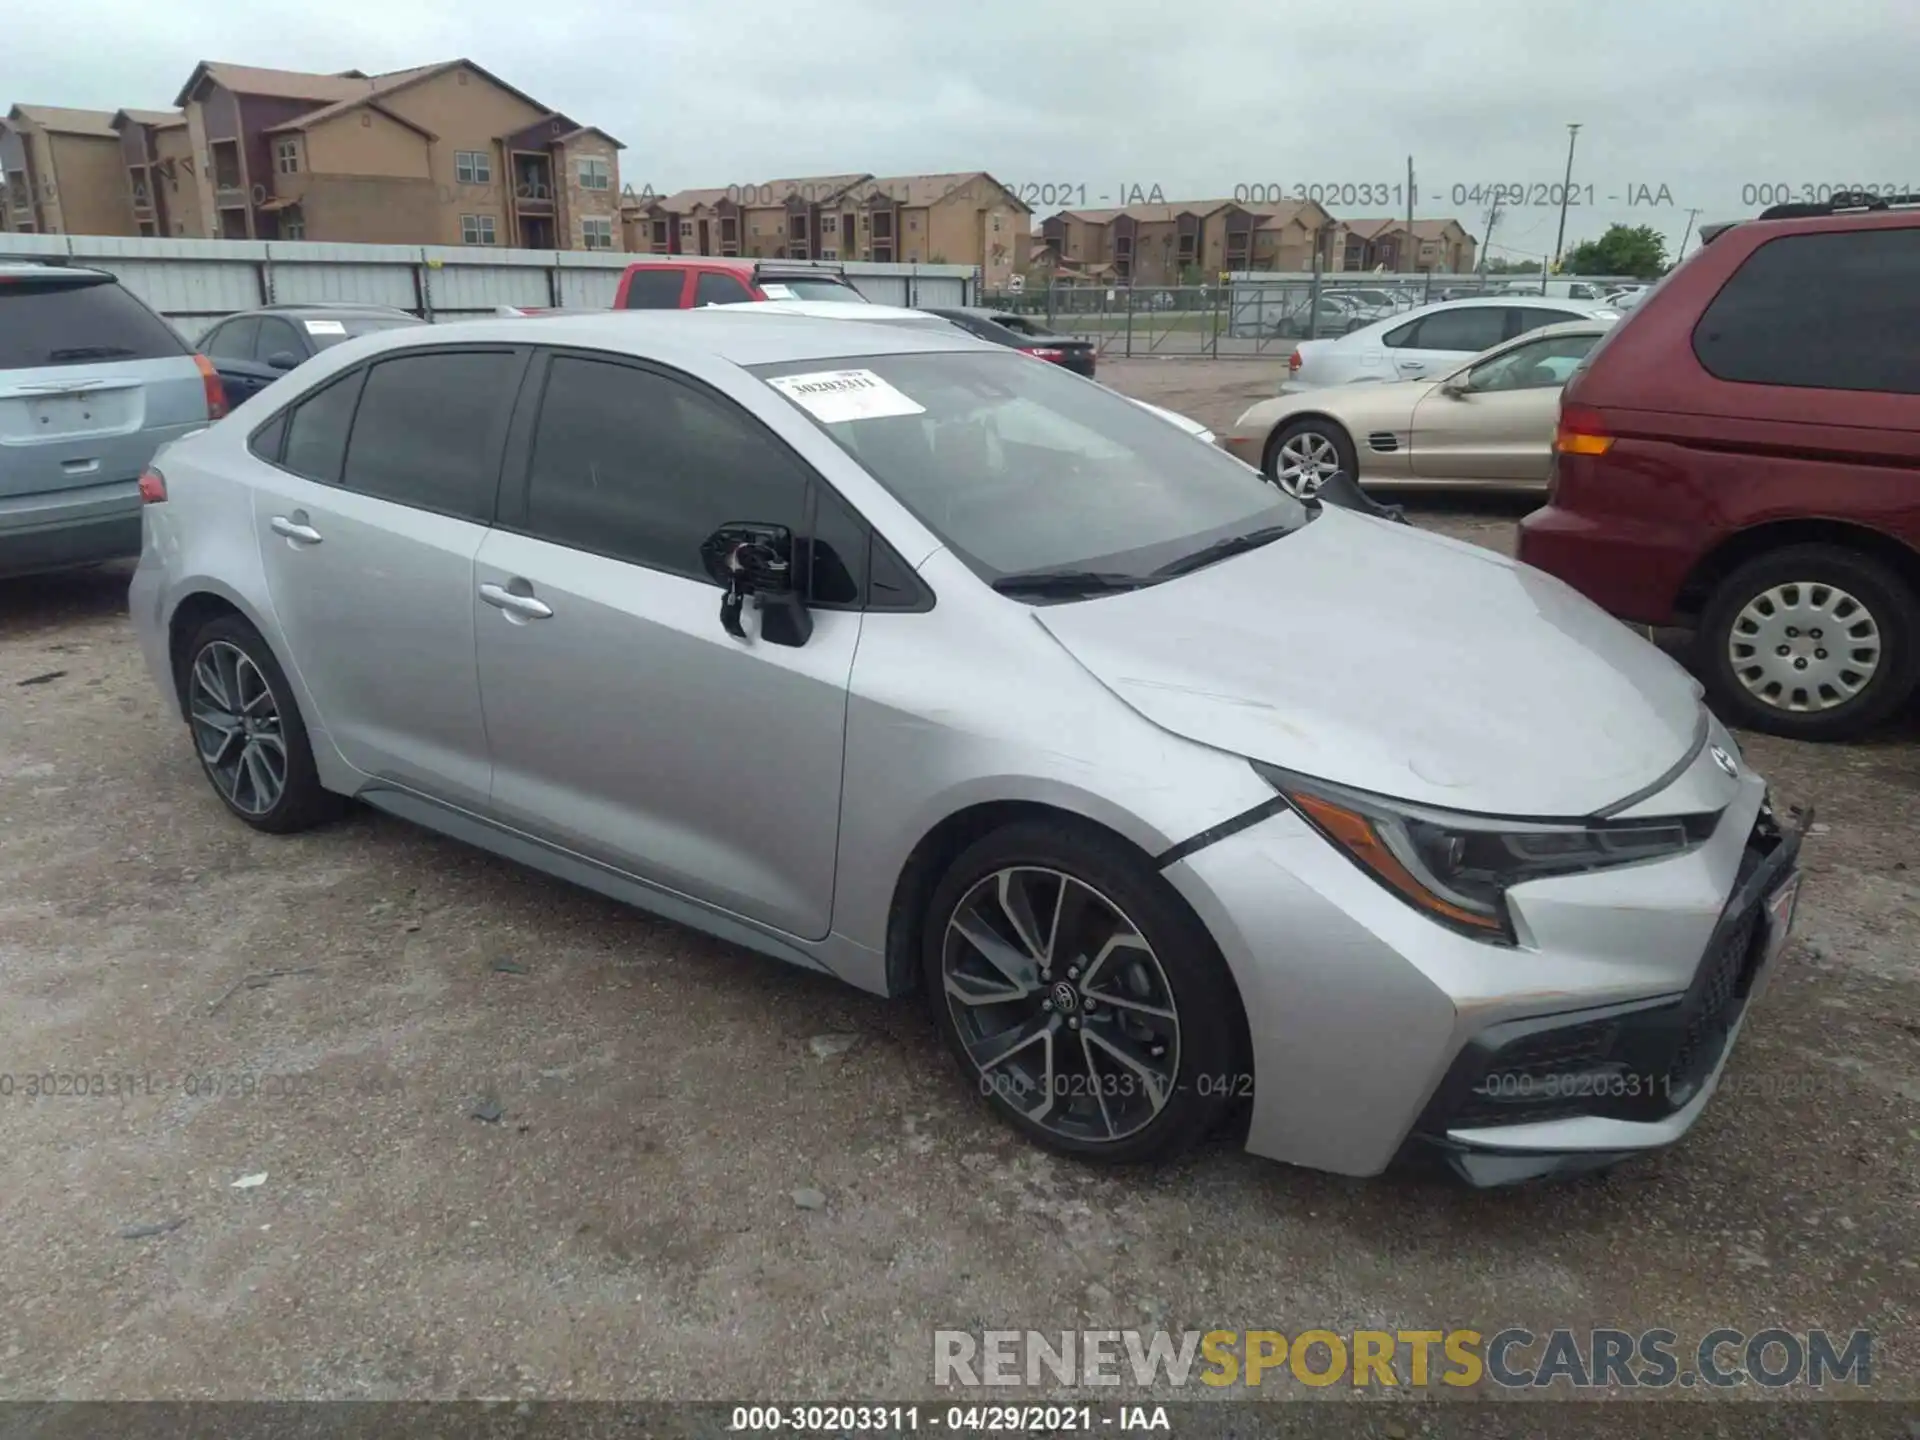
<point x="872" y="314"/>
<point x="1427" y="340"/>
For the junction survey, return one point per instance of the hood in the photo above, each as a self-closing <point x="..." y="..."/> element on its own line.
<point x="1396" y="661"/>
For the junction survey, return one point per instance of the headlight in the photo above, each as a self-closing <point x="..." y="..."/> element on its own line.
<point x="1457" y="867"/>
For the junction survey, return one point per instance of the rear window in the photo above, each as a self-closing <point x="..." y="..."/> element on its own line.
<point x="1825" y="312"/>
<point x="657" y="289"/>
<point x="68" y="323"/>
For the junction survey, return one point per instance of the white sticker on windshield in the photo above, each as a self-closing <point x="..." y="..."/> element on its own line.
<point x="325" y="327"/>
<point x="833" y="396"/>
<point x="776" y="291"/>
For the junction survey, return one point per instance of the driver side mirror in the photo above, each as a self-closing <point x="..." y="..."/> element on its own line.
<point x="282" y="360"/>
<point x="1459" y="387"/>
<point x="746" y="558"/>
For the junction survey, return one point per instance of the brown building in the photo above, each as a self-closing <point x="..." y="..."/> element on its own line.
<point x="443" y="154"/>
<point x="1440" y="246"/>
<point x="965" y="218"/>
<point x="1188" y="241"/>
<point x="157" y="151"/>
<point x="64" y="174"/>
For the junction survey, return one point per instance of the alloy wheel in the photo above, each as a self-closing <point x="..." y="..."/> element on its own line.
<point x="236" y="728"/>
<point x="1061" y="1004"/>
<point x="1304" y="463"/>
<point x="1804" y="647"/>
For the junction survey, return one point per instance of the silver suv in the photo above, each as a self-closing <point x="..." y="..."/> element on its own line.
<point x="92" y="382"/>
<point x="901" y="656"/>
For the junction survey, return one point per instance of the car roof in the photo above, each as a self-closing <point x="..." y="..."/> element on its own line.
<point x="733" y="333"/>
<point x="328" y="312"/>
<point x="831" y="310"/>
<point x="745" y="264"/>
<point x="34" y="270"/>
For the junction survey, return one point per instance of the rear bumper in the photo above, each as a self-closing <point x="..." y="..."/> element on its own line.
<point x="1630" y="569"/>
<point x="68" y="528"/>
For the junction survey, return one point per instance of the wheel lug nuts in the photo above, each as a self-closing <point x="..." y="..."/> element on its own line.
<point x="1073" y="972"/>
<point x="1801" y="663"/>
<point x="1074" y="1023"/>
<point x="1782" y="650"/>
<point x="1819" y="654"/>
<point x="1814" y="633"/>
<point x="1047" y="1005"/>
<point x="1792" y="634"/>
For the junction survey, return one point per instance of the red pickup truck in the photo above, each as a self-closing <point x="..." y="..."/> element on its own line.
<point x="684" y="282"/>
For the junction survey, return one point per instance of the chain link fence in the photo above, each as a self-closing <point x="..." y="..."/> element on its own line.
<point x="1257" y="314"/>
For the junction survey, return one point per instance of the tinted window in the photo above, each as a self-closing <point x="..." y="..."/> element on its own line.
<point x="809" y="287"/>
<point x="277" y="337"/>
<point x="317" y="430"/>
<point x="69" y="324"/>
<point x="232" y="341"/>
<point x="713" y="288"/>
<point x="1524" y="318"/>
<point x="655" y="289"/>
<point x="429" y="429"/>
<point x="267" y="439"/>
<point x="1471" y="328"/>
<point x="632" y="464"/>
<point x="1831" y="312"/>
<point x="838" y="548"/>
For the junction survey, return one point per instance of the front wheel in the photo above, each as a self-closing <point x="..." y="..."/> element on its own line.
<point x="1305" y="453"/>
<point x="1815" y="642"/>
<point x="1081" y="998"/>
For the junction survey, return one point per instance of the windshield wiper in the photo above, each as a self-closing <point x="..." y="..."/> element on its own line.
<point x="1070" y="582"/>
<point x="89" y="352"/>
<point x="1221" y="549"/>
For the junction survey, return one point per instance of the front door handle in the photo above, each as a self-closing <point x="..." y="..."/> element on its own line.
<point x="297" y="531"/>
<point x="525" y="606"/>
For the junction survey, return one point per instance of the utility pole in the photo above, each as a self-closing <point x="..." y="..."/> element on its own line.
<point x="1408" y="250"/>
<point x="1486" y="247"/>
<point x="1685" y="236"/>
<point x="1566" y="188"/>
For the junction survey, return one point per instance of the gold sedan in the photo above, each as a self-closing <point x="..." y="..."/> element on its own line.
<point x="1489" y="422"/>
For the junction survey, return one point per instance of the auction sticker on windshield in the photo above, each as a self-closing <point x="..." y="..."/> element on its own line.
<point x="776" y="291"/>
<point x="325" y="327"/>
<point x="835" y="396"/>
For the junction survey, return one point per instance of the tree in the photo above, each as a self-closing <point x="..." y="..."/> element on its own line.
<point x="1636" y="250"/>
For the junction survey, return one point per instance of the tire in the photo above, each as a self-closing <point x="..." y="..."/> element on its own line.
<point x="227" y="658"/>
<point x="1748" y="616"/>
<point x="1156" y="979"/>
<point x="1314" y="433"/>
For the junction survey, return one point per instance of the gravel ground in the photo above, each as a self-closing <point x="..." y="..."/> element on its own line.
<point x="623" y="1222"/>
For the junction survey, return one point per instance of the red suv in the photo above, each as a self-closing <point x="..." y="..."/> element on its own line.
<point x="1741" y="455"/>
<point x="668" y="282"/>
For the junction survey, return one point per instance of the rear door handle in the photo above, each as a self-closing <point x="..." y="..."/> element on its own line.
<point x="525" y="606"/>
<point x="295" y="530"/>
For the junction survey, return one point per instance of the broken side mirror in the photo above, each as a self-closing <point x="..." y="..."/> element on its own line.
<point x="745" y="559"/>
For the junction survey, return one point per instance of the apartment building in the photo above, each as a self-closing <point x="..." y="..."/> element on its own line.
<point x="443" y="154"/>
<point x="961" y="218"/>
<point x="63" y="173"/>
<point x="1436" y="246"/>
<point x="1187" y="241"/>
<point x="156" y="149"/>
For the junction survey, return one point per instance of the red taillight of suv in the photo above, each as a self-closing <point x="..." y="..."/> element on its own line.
<point x="216" y="392"/>
<point x="1293" y="364"/>
<point x="153" y="486"/>
<point x="1583" y="431"/>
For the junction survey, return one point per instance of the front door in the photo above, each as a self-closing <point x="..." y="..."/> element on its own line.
<point x="1443" y="339"/>
<point x="626" y="724"/>
<point x="1496" y="425"/>
<point x="368" y="528"/>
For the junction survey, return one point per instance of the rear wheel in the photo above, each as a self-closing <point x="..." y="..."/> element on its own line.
<point x="1816" y="642"/>
<point x="1302" y="455"/>
<point x="1082" y="999"/>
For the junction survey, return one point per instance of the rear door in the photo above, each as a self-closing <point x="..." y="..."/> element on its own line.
<point x="92" y="382"/>
<point x="368" y="521"/>
<point x="626" y="724"/>
<point x="1437" y="342"/>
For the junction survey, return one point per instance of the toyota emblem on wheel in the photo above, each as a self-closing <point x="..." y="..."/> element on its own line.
<point x="1726" y="762"/>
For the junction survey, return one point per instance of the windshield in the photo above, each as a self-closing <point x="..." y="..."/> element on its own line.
<point x="808" y="287"/>
<point x="1021" y="467"/>
<point x="352" y="325"/>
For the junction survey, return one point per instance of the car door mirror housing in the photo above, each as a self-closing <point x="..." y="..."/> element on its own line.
<point x="1459" y="387"/>
<point x="282" y="360"/>
<point x="747" y="558"/>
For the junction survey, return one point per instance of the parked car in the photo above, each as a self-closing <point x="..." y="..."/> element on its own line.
<point x="1742" y="455"/>
<point x="676" y="282"/>
<point x="254" y="348"/>
<point x="1427" y="340"/>
<point x="874" y="649"/>
<point x="1331" y="314"/>
<point x="1489" y="422"/>
<point x="1005" y="328"/>
<point x="92" y="382"/>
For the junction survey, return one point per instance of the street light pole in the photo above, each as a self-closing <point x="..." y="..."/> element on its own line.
<point x="1566" y="189"/>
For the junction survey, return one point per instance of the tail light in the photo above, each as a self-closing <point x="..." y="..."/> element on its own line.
<point x="1293" y="364"/>
<point x="153" y="486"/>
<point x="1583" y="431"/>
<point x="216" y="392"/>
<point x="1042" y="352"/>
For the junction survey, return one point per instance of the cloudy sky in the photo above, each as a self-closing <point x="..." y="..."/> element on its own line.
<point x="1704" y="100"/>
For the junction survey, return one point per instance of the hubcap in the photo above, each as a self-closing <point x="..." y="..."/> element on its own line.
<point x="1304" y="462"/>
<point x="236" y="728"/>
<point x="1804" y="647"/>
<point x="1061" y="1004"/>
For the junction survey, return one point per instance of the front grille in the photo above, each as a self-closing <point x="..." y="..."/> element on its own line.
<point x="1722" y="982"/>
<point x="1533" y="1078"/>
